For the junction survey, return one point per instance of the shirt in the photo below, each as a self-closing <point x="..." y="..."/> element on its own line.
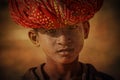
<point x="88" y="73"/>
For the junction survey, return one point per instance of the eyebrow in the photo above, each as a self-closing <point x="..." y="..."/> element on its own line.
<point x="39" y="29"/>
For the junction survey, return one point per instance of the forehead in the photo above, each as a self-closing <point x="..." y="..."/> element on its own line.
<point x="63" y="27"/>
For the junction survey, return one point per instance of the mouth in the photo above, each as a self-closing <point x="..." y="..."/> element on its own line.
<point x="66" y="51"/>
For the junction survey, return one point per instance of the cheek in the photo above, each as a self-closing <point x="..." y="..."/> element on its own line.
<point x="79" y="44"/>
<point x="78" y="37"/>
<point x="47" y="44"/>
<point x="79" y="41"/>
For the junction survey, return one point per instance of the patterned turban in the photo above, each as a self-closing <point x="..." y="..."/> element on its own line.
<point x="51" y="14"/>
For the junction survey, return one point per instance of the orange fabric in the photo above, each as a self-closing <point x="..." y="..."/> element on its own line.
<point x="52" y="13"/>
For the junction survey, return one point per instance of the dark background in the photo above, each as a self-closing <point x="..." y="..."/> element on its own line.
<point x="102" y="48"/>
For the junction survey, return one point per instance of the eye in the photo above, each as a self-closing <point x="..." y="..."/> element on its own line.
<point x="52" y="31"/>
<point x="41" y="30"/>
<point x="72" y="27"/>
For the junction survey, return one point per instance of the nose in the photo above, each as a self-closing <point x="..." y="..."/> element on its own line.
<point x="64" y="39"/>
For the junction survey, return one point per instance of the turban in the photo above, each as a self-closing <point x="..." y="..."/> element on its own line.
<point x="51" y="14"/>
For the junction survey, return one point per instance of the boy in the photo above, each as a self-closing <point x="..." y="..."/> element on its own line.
<point x="59" y="27"/>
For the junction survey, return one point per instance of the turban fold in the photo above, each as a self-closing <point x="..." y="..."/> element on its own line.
<point x="52" y="14"/>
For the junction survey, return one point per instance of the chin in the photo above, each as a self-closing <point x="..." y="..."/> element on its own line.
<point x="67" y="61"/>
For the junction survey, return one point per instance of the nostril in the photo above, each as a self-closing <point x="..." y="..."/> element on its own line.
<point x="69" y="41"/>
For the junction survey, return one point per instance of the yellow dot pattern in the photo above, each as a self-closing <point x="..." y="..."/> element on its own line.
<point x="52" y="13"/>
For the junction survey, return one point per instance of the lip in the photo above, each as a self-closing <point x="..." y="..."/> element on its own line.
<point x="65" y="51"/>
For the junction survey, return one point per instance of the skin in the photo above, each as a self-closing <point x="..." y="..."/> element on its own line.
<point x="61" y="47"/>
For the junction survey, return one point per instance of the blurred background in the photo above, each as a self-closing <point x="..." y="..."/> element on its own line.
<point x="102" y="48"/>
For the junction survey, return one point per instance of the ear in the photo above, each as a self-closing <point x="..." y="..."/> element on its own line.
<point x="86" y="27"/>
<point x="33" y="35"/>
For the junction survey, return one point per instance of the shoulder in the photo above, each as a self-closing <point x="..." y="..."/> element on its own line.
<point x="93" y="72"/>
<point x="33" y="73"/>
<point x="104" y="76"/>
<point x="30" y="74"/>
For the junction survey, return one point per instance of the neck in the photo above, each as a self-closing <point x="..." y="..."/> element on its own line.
<point x="56" y="70"/>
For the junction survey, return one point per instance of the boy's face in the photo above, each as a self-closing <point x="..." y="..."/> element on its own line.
<point x="61" y="45"/>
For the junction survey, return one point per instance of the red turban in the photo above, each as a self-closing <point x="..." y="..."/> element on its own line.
<point x="52" y="13"/>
